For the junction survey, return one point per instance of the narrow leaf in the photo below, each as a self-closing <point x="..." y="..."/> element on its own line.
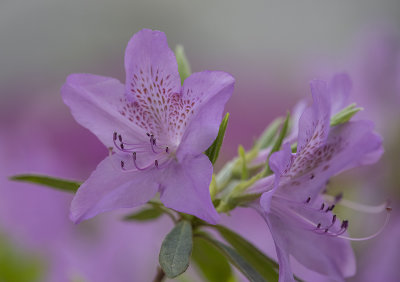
<point x="257" y="259"/>
<point x="269" y="133"/>
<point x="213" y="151"/>
<point x="345" y="115"/>
<point x="235" y="258"/>
<point x="183" y="63"/>
<point x="211" y="263"/>
<point x="242" y="156"/>
<point x="145" y="214"/>
<point x="176" y="249"/>
<point x="57" y="183"/>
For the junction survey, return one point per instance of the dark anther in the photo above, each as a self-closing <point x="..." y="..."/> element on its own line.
<point x="134" y="156"/>
<point x="308" y="200"/>
<point x="154" y="141"/>
<point x="312" y="176"/>
<point x="120" y="138"/>
<point x="122" y="164"/>
<point x="338" y="197"/>
<point x="148" y="134"/>
<point x="122" y="146"/>
<point x="156" y="163"/>
<point x="115" y="136"/>
<point x="330" y="208"/>
<point x="166" y="150"/>
<point x="345" y="224"/>
<point x="319" y="225"/>
<point x="322" y="206"/>
<point x="334" y="219"/>
<point x="326" y="230"/>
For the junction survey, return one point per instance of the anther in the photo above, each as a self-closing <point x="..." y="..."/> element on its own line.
<point x="115" y="136"/>
<point x="122" y="164"/>
<point x="156" y="163"/>
<point x="326" y="230"/>
<point x="345" y="224"/>
<point x="319" y="225"/>
<point x="334" y="219"/>
<point x="134" y="156"/>
<point x="308" y="200"/>
<point x="338" y="197"/>
<point x="322" y="206"/>
<point x="148" y="134"/>
<point x="330" y="208"/>
<point x="120" y="138"/>
<point x="121" y="145"/>
<point x="166" y="150"/>
<point x="312" y="176"/>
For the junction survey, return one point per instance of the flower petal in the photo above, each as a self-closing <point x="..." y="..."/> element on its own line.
<point x="213" y="89"/>
<point x="186" y="188"/>
<point x="97" y="103"/>
<point x="340" y="88"/>
<point x="329" y="256"/>
<point x="314" y="122"/>
<point x="108" y="188"/>
<point x="150" y="66"/>
<point x="349" y="145"/>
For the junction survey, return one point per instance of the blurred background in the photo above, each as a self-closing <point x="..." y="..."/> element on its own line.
<point x="273" y="48"/>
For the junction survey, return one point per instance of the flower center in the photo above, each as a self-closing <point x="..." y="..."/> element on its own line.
<point x="142" y="156"/>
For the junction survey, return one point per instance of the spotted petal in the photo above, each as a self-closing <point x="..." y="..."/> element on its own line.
<point x="98" y="103"/>
<point x="209" y="91"/>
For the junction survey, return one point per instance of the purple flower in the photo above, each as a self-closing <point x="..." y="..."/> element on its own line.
<point x="156" y="129"/>
<point x="300" y="221"/>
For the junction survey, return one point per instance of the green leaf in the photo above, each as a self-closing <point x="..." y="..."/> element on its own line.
<point x="345" y="115"/>
<point x="176" y="249"/>
<point x="57" y="183"/>
<point x="212" y="264"/>
<point x="242" y="156"/>
<point x="183" y="63"/>
<point x="257" y="259"/>
<point x="267" y="137"/>
<point x="235" y="258"/>
<point x="278" y="142"/>
<point x="145" y="214"/>
<point x="213" y="151"/>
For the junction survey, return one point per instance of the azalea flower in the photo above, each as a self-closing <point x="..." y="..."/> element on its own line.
<point x="156" y="130"/>
<point x="299" y="218"/>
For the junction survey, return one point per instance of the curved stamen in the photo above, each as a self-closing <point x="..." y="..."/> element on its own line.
<point x="360" y="207"/>
<point x="388" y="209"/>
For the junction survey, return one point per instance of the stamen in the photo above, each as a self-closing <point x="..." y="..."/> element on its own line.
<point x="308" y="200"/>
<point x="120" y="138"/>
<point x="322" y="206"/>
<point x="121" y="145"/>
<point x="360" y="207"/>
<point x="388" y="209"/>
<point x="115" y="136"/>
<point x="122" y="164"/>
<point x="156" y="163"/>
<point x="166" y="149"/>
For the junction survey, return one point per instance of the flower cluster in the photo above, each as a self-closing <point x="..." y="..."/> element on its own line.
<point x="157" y="130"/>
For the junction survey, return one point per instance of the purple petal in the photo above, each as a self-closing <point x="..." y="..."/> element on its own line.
<point x="285" y="269"/>
<point x="97" y="103"/>
<point x="349" y="145"/>
<point x="329" y="256"/>
<point x="212" y="89"/>
<point x="314" y="122"/>
<point x="340" y="88"/>
<point x="150" y="66"/>
<point x="280" y="163"/>
<point x="108" y="188"/>
<point x="186" y="188"/>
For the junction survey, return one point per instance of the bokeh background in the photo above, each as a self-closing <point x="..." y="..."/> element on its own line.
<point x="273" y="48"/>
